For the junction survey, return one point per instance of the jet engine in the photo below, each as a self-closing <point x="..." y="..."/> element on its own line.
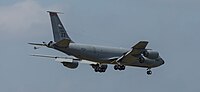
<point x="151" y="54"/>
<point x="71" y="65"/>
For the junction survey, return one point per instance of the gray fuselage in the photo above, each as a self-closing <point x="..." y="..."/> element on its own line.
<point x="102" y="54"/>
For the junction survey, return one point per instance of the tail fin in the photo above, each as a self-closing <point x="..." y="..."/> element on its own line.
<point x="59" y="31"/>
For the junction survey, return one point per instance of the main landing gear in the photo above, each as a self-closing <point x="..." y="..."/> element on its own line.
<point x="99" y="68"/>
<point x="149" y="72"/>
<point x="119" y="67"/>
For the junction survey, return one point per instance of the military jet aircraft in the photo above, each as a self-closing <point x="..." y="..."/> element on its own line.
<point x="98" y="56"/>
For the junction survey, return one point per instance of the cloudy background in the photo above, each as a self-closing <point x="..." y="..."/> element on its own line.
<point x="171" y="26"/>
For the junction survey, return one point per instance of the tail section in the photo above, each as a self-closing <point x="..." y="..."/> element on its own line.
<point x="59" y="31"/>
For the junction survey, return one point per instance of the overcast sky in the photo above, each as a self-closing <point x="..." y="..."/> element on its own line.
<point x="171" y="26"/>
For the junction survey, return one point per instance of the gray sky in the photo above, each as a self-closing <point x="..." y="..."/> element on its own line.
<point x="171" y="26"/>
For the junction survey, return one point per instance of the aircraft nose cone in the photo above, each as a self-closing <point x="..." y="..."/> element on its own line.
<point x="163" y="62"/>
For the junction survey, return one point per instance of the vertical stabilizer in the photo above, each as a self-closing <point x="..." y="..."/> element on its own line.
<point x="59" y="31"/>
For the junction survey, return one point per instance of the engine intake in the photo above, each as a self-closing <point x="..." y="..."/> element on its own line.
<point x="151" y="54"/>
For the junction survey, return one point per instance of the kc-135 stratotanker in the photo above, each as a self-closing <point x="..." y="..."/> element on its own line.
<point x="99" y="57"/>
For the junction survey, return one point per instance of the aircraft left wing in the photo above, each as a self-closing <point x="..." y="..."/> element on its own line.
<point x="133" y="54"/>
<point x="64" y="59"/>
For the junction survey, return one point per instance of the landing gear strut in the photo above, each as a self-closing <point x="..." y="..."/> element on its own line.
<point x="149" y="72"/>
<point x="119" y="67"/>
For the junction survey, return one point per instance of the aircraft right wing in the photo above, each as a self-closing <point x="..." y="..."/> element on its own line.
<point x="133" y="54"/>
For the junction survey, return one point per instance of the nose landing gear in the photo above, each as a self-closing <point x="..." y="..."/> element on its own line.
<point x="149" y="72"/>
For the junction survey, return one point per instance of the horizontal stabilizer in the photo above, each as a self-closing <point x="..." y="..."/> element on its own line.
<point x="37" y="44"/>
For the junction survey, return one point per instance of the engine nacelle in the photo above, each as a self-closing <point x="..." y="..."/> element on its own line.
<point x="71" y="65"/>
<point x="151" y="54"/>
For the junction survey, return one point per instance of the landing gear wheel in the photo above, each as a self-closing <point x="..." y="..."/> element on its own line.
<point x="122" y="67"/>
<point x="95" y="70"/>
<point x="116" y="67"/>
<point x="149" y="72"/>
<point x="119" y="67"/>
<point x="98" y="68"/>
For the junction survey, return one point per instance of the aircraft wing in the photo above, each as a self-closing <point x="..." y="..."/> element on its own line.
<point x="139" y="48"/>
<point x="133" y="55"/>
<point x="65" y="59"/>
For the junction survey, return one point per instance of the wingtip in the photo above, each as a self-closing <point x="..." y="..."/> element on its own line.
<point x="144" y="41"/>
<point x="30" y="43"/>
<point x="54" y="12"/>
<point x="141" y="44"/>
